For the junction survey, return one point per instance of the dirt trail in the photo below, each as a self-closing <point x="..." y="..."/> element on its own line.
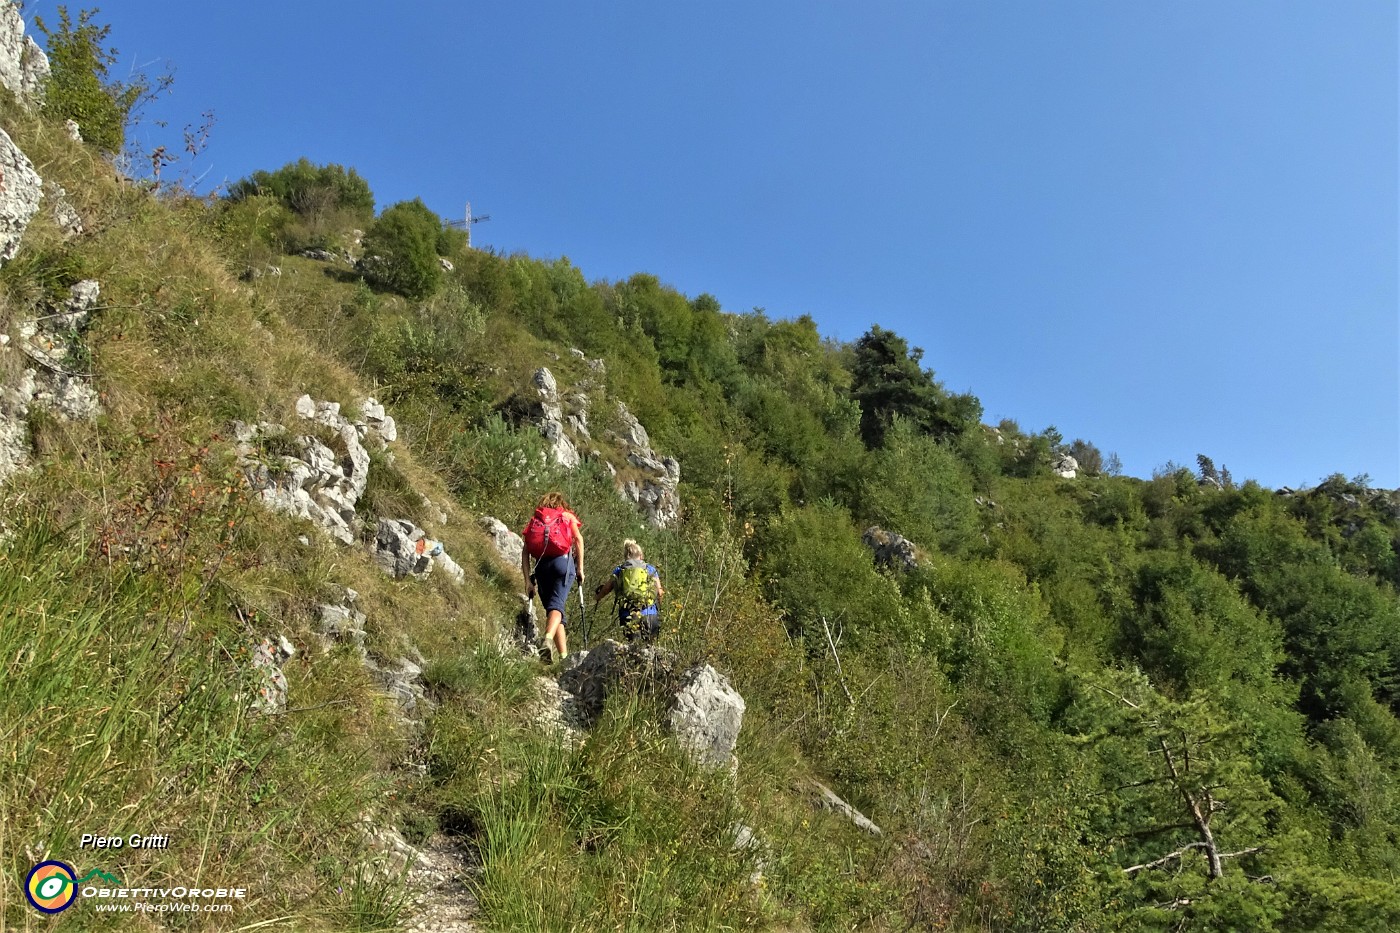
<point x="440" y="881"/>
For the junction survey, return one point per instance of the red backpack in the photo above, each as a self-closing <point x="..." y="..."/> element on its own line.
<point x="548" y="534"/>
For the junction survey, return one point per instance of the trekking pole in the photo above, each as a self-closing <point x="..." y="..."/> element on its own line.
<point x="583" y="617"/>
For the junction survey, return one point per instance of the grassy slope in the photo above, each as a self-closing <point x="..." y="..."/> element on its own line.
<point x="139" y="576"/>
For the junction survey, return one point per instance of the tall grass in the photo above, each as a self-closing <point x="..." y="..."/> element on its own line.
<point x="623" y="832"/>
<point x="117" y="721"/>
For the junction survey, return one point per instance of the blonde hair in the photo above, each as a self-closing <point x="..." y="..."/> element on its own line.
<point x="632" y="550"/>
<point x="553" y="500"/>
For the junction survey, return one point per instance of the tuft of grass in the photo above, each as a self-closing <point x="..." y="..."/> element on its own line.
<point x="367" y="899"/>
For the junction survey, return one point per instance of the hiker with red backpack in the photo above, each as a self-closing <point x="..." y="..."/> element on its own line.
<point x="636" y="589"/>
<point x="554" y="538"/>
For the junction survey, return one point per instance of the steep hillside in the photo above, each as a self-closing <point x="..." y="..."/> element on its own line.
<point x="987" y="683"/>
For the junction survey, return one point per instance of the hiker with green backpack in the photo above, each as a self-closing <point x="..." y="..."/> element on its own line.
<point x="554" y="537"/>
<point x="636" y="589"/>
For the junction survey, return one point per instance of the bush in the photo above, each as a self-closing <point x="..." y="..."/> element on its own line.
<point x="326" y="200"/>
<point x="918" y="488"/>
<point x="78" y="88"/>
<point x="401" y="249"/>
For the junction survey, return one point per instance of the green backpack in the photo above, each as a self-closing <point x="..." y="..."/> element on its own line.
<point x="634" y="589"/>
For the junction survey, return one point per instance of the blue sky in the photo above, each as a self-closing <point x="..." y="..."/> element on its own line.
<point x="1167" y="228"/>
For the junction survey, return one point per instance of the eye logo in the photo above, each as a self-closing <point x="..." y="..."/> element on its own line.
<point x="51" y="887"/>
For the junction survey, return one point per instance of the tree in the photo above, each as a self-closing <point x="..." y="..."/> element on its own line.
<point x="919" y="488"/>
<point x="401" y="249"/>
<point x="887" y="381"/>
<point x="78" y="87"/>
<point x="1183" y="800"/>
<point x="1089" y="457"/>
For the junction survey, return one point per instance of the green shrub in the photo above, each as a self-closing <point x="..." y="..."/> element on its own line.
<point x="312" y="192"/>
<point x="78" y="88"/>
<point x="401" y="249"/>
<point x="919" y="489"/>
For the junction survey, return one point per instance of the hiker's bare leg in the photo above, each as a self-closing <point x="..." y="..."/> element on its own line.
<point x="554" y="632"/>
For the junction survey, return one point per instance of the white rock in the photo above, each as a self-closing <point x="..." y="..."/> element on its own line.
<point x="508" y="544"/>
<point x="19" y="195"/>
<point x="23" y="65"/>
<point x="707" y="717"/>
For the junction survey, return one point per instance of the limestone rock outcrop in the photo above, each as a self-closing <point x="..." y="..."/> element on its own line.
<point x="704" y="712"/>
<point x="402" y="679"/>
<point x="304" y="475"/>
<point x="52" y="342"/>
<point x="402" y="549"/>
<point x="551" y="420"/>
<point x="23" y="65"/>
<point x="706" y="717"/>
<point x="21" y="189"/>
<point x="507" y="543"/>
<point x="270" y="684"/>
<point x="645" y="478"/>
<point x="655" y="492"/>
<point x="14" y="425"/>
<point x="342" y="622"/>
<point x="890" y="549"/>
<point x="376" y="422"/>
<point x="1065" y="467"/>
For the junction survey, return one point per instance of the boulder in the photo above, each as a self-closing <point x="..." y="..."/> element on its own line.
<point x="1065" y="467"/>
<point x="402" y="549"/>
<point x="450" y="567"/>
<point x="396" y="549"/>
<point x="890" y="550"/>
<point x="508" y="544"/>
<point x="704" y="712"/>
<point x="594" y="674"/>
<point x="706" y="717"/>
